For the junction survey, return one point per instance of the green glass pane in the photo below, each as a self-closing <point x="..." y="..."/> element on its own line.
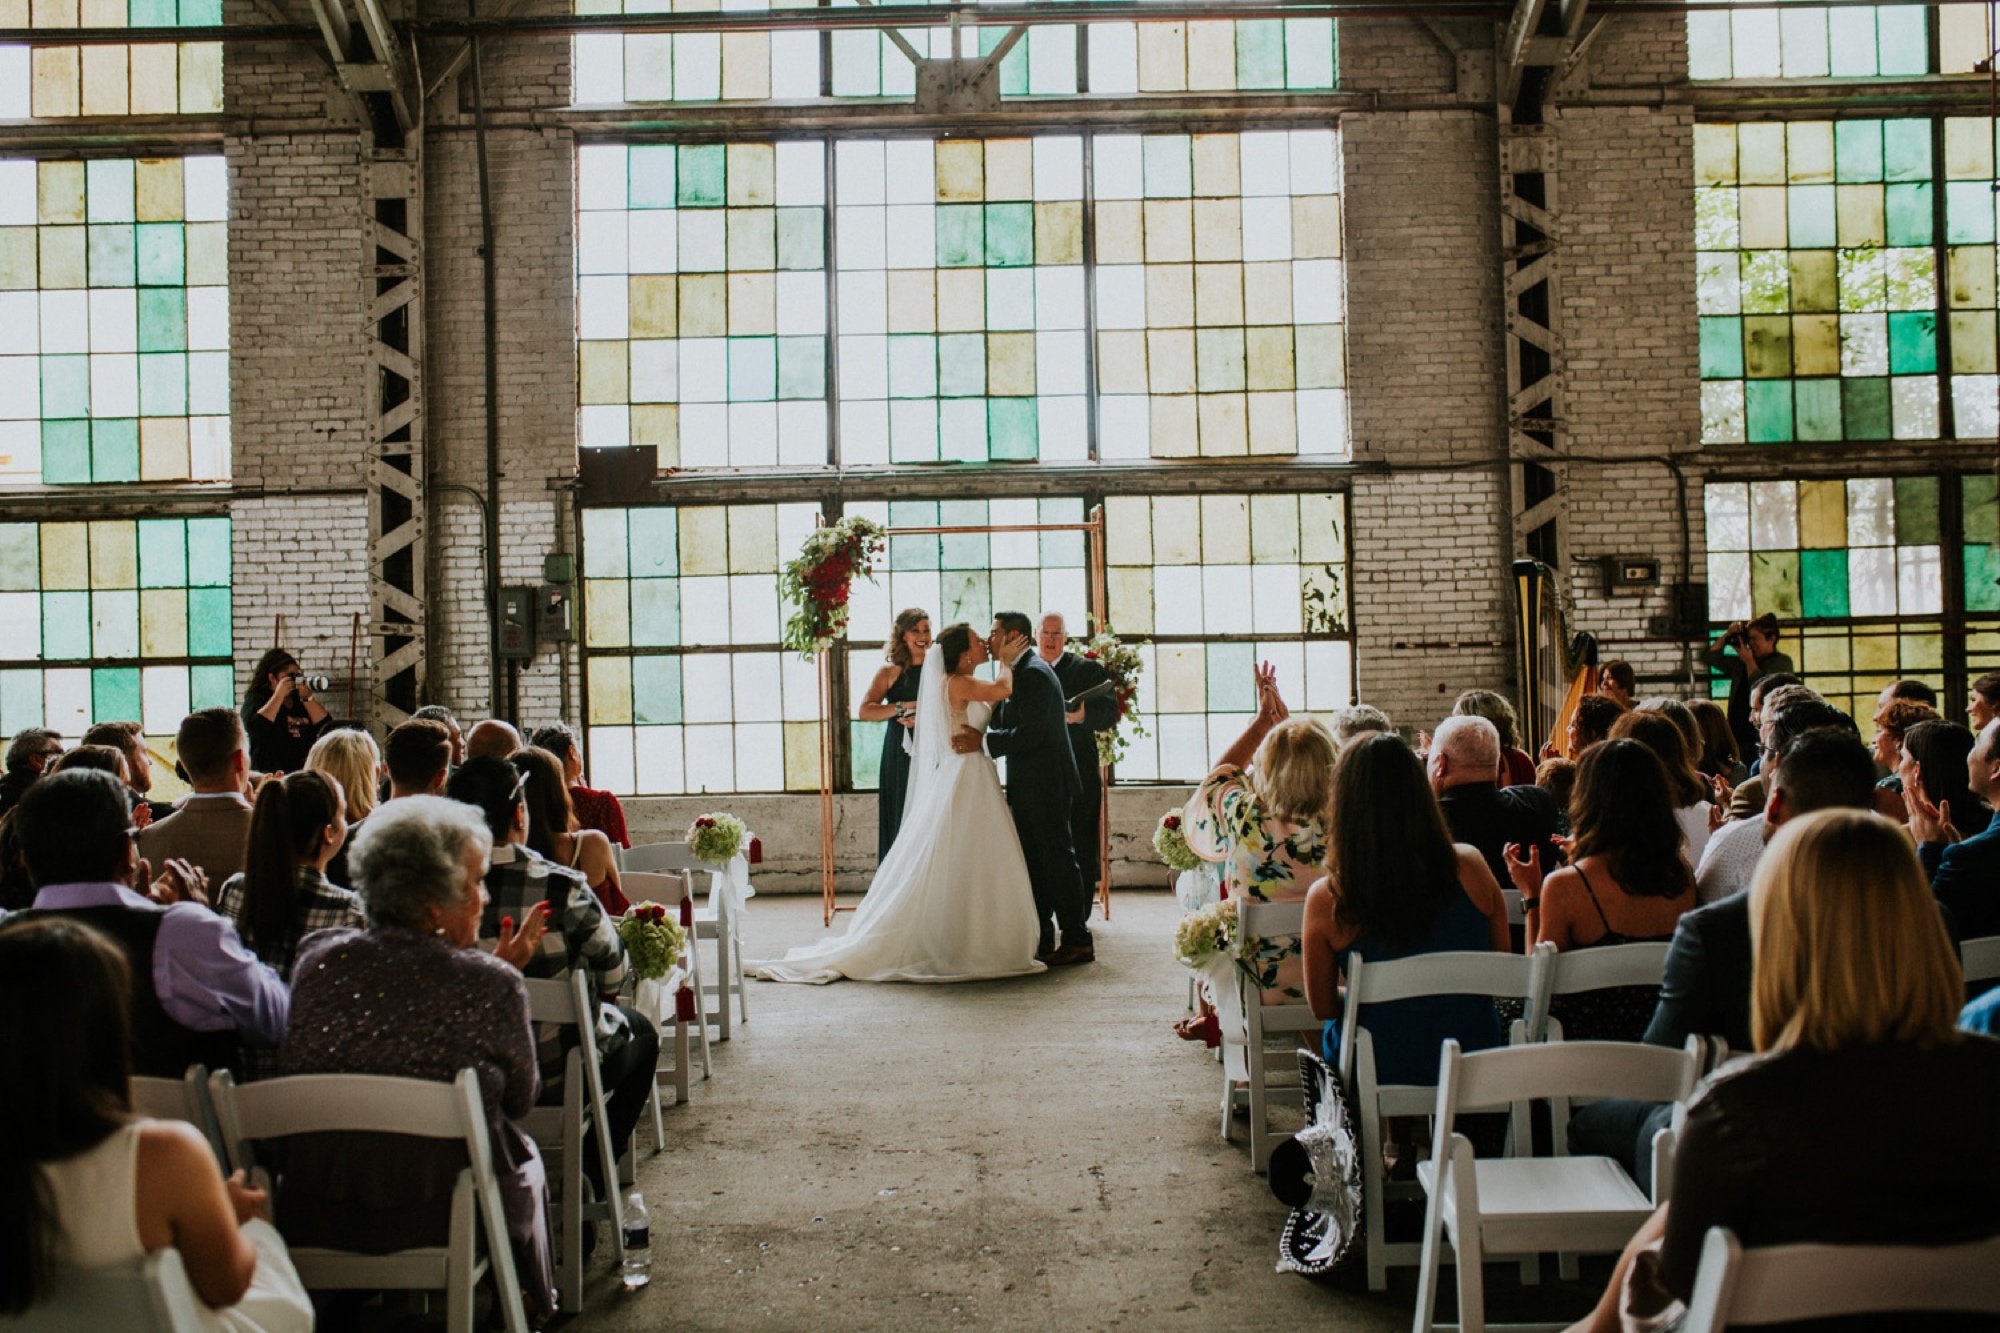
<point x="65" y="386"/>
<point x="655" y="548"/>
<point x="801" y="238"/>
<point x="1232" y="686"/>
<point x="162" y="254"/>
<point x="961" y="365"/>
<point x="656" y="691"/>
<point x="163" y="319"/>
<point x="1979" y="501"/>
<point x="656" y="613"/>
<point x="1857" y="151"/>
<point x="114" y="694"/>
<point x="1907" y="213"/>
<point x="1912" y="343"/>
<point x="1968" y="211"/>
<point x="801" y="368"/>
<point x="1903" y="44"/>
<point x="1809" y="210"/>
<point x="961" y="239"/>
<point x="650" y="175"/>
<point x="201" y="13"/>
<point x="1823" y="583"/>
<point x="163" y="384"/>
<point x="1010" y="235"/>
<point x="1721" y="348"/>
<point x="162" y="553"/>
<point x="1774" y="582"/>
<point x="1817" y="405"/>
<point x="1916" y="511"/>
<point x="702" y="172"/>
<point x="1011" y="435"/>
<point x="1982" y="578"/>
<point x="1260" y="54"/>
<point x="1768" y="410"/>
<point x="1906" y="149"/>
<point x="114" y="450"/>
<point x="20" y="557"/>
<point x="65" y="626"/>
<point x="919" y="551"/>
<point x="20" y="700"/>
<point x="211" y="686"/>
<point x="113" y="255"/>
<point x="865" y="746"/>
<point x="208" y="622"/>
<point x="1865" y="405"/>
<point x="153" y="13"/>
<point x="208" y="552"/>
<point x="65" y="452"/>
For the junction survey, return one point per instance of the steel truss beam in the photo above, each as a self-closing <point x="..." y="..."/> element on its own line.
<point x="394" y="285"/>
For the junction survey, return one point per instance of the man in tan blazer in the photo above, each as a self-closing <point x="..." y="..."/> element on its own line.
<point x="212" y="826"/>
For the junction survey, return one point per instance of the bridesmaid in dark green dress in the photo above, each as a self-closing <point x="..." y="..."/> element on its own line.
<point x="891" y="701"/>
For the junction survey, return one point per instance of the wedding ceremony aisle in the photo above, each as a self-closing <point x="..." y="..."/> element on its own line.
<point x="997" y="1154"/>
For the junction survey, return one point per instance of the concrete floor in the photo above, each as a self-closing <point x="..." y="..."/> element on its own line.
<point x="1002" y="1155"/>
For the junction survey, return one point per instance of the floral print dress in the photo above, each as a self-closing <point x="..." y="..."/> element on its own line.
<point x="1262" y="858"/>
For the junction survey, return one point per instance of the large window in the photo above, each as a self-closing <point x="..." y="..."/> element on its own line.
<point x="153" y="78"/>
<point x="114" y="320"/>
<point x="1845" y="280"/>
<point x="1805" y="41"/>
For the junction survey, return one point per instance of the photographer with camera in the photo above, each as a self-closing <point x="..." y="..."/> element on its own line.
<point x="282" y="714"/>
<point x="1756" y="655"/>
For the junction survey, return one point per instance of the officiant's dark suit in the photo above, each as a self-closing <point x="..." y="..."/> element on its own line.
<point x="1076" y="674"/>
<point x="1028" y="731"/>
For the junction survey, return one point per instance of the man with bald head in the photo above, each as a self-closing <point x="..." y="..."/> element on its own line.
<point x="491" y="739"/>
<point x="1077" y="673"/>
<point x="1465" y="771"/>
<point x="1965" y="875"/>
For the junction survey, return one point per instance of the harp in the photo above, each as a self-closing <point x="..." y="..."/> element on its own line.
<point x="1555" y="666"/>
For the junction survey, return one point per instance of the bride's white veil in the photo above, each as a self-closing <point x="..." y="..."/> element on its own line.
<point x="932" y="735"/>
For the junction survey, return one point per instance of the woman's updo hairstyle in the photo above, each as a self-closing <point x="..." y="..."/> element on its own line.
<point x="953" y="645"/>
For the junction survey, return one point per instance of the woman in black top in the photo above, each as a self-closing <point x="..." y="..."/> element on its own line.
<point x="1931" y="763"/>
<point x="1855" y="994"/>
<point x="281" y="715"/>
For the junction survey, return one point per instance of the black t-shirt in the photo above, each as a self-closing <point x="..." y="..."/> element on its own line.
<point x="280" y="746"/>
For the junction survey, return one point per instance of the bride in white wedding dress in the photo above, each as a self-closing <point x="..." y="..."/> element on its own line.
<point x="951" y="901"/>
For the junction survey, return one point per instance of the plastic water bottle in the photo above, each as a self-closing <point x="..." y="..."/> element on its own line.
<point x="638" y="1267"/>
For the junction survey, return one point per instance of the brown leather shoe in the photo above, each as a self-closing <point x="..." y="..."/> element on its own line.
<point x="1071" y="954"/>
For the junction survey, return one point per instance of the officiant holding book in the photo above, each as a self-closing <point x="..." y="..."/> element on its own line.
<point x="1079" y="675"/>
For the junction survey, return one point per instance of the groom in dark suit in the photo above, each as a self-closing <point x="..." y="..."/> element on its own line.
<point x="1029" y="731"/>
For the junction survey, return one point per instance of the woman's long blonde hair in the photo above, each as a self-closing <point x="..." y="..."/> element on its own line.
<point x="350" y="758"/>
<point x="1850" y="949"/>
<point x="1293" y="771"/>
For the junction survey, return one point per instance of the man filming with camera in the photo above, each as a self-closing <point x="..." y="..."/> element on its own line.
<point x="282" y="714"/>
<point x="1756" y="654"/>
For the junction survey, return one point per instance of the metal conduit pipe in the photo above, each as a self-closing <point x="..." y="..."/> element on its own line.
<point x="490" y="324"/>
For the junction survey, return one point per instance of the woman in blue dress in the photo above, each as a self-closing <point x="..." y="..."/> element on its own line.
<point x="891" y="699"/>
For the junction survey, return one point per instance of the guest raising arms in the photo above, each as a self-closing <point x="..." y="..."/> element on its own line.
<point x="891" y="699"/>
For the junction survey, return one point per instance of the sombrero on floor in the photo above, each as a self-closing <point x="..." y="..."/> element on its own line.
<point x="1317" y="1173"/>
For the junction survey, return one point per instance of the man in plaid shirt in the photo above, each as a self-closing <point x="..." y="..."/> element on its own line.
<point x="579" y="935"/>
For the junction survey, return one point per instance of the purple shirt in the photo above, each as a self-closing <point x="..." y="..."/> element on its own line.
<point x="205" y="978"/>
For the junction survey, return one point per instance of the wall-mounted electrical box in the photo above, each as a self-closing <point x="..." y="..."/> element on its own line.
<point x="552" y="614"/>
<point x="517" y="622"/>
<point x="1625" y="575"/>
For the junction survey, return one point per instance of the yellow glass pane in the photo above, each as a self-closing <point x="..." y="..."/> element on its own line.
<point x="1972" y="342"/>
<point x="63" y="257"/>
<point x="1218" y="165"/>
<point x="56" y="14"/>
<point x="201" y="77"/>
<point x="704" y="302"/>
<point x="163" y="449"/>
<point x="1225" y="529"/>
<point x="1760" y="153"/>
<point x="753" y="304"/>
<point x="1822" y="515"/>
<point x="1177" y="530"/>
<point x="801" y="756"/>
<point x="1218" y="229"/>
<point x="1162" y="58"/>
<point x="1131" y="593"/>
<point x="1267" y="293"/>
<point x="1816" y="344"/>
<point x="1267" y="354"/>
<point x="603" y="372"/>
<point x="1922" y="653"/>
<point x="658" y="424"/>
<point x="114" y="554"/>
<point x="19" y="266"/>
<point x="207" y="254"/>
<point x="1010" y="364"/>
<point x="1218" y="294"/>
<point x="1826" y="653"/>
<point x="1274" y="529"/>
<point x="1121" y="361"/>
<point x="753" y="237"/>
<point x="610" y="688"/>
<point x="1224" y="424"/>
<point x="1763" y="218"/>
<point x="156" y="85"/>
<point x="912" y="301"/>
<point x="1970" y="270"/>
<point x="65" y="556"/>
<point x="704" y="532"/>
<point x="1170" y="361"/>
<point x="105" y="81"/>
<point x="961" y="171"/>
<point x="1809" y="152"/>
<point x="59" y="186"/>
<point x="1128" y="530"/>
<point x="1170" y="296"/>
<point x="1183" y="678"/>
<point x="1172" y="426"/>
<point x="607" y="616"/>
<point x="58" y="81"/>
<point x="1968" y="149"/>
<point x="753" y="539"/>
<point x="1169" y="231"/>
<point x="1059" y="233"/>
<point x="1876" y="652"/>
<point x="1715" y="154"/>
<point x="13" y="13"/>
<point x="1274" y="424"/>
<point x="651" y="305"/>
<point x="1211" y="56"/>
<point x="160" y="186"/>
<point x="1320" y="359"/>
<point x="1120" y="232"/>
<point x="1316" y="227"/>
<point x="1010" y="170"/>
<point x="1323" y="529"/>
<point x="163" y="622"/>
<point x="746" y="67"/>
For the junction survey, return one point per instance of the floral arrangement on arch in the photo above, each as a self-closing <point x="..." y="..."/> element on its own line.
<point x="714" y="839"/>
<point x="654" y="941"/>
<point x="1170" y="842"/>
<point x="818" y="580"/>
<point x="1121" y="663"/>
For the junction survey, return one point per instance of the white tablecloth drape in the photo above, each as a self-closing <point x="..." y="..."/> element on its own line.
<point x="654" y="997"/>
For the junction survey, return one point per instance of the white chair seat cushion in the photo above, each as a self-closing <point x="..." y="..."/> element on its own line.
<point x="1547" y="1203"/>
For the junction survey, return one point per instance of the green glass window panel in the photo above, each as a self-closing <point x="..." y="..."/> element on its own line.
<point x="961" y="236"/>
<point x="20" y="700"/>
<point x="208" y="552"/>
<point x="1979" y="502"/>
<point x="208" y="622"/>
<point x="1906" y="150"/>
<point x="1903" y="44"/>
<point x="801" y="367"/>
<point x="1912" y="343"/>
<point x="1768" y="411"/>
<point x="1916" y="511"/>
<point x="1767" y="346"/>
<point x="20" y="557"/>
<point x="1011" y="430"/>
<point x="1010" y="235"/>
<point x="801" y="238"/>
<point x="1968" y="211"/>
<point x="656" y="613"/>
<point x="153" y="13"/>
<point x="1260" y="54"/>
<point x="961" y="365"/>
<point x="1231" y="682"/>
<point x="656" y="691"/>
<point x="112" y="256"/>
<point x="114" y="450"/>
<point x="701" y="176"/>
<point x="1817" y="408"/>
<point x="162" y="553"/>
<point x="201" y="13"/>
<point x="65" y="386"/>
<point x="655" y="544"/>
<point x="211" y="686"/>
<point x="162" y="254"/>
<point x="65" y="452"/>
<point x="1907" y="212"/>
<point x="1823" y="583"/>
<point x="1774" y="582"/>
<point x="1857" y="150"/>
<point x="114" y="693"/>
<point x="864" y="745"/>
<point x="1865" y="405"/>
<point x="163" y="319"/>
<point x="65" y="626"/>
<point x="1982" y="578"/>
<point x="163" y="384"/>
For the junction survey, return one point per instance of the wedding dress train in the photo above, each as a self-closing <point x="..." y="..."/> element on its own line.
<point x="951" y="900"/>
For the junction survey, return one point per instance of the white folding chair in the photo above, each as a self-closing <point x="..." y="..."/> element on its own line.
<point x="1530" y="1205"/>
<point x="316" y="1103"/>
<point x="150" y="1296"/>
<point x="1576" y="971"/>
<point x="674" y="891"/>
<point x="1499" y="975"/>
<point x="1735" y="1286"/>
<point x="712" y="921"/>
<point x="1264" y="1021"/>
<point x="1981" y="958"/>
<point x="559" y="1129"/>
<point x="184" y="1098"/>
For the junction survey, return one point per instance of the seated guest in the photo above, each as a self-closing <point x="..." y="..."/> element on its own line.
<point x="1589" y="722"/>
<point x="1982" y="702"/>
<point x="17" y="887"/>
<point x="1352" y="723"/>
<point x="1748" y="798"/>
<point x="594" y="809"/>
<point x="1619" y="683"/>
<point x="85" y="1183"/>
<point x="197" y="991"/>
<point x="127" y="740"/>
<point x="1719" y="758"/>
<point x="580" y="934"/>
<point x="100" y="758"/>
<point x="1853" y="1003"/>
<point x="412" y="996"/>
<point x="418" y="756"/>
<point x="1557" y="777"/>
<point x="28" y="754"/>
<point x="553" y="831"/>
<point x="283" y="893"/>
<point x="281" y="715"/>
<point x="1966" y="875"/>
<point x="1932" y="765"/>
<point x="1656" y="730"/>
<point x="1733" y="850"/>
<point x="491" y="739"/>
<point x="1681" y="716"/>
<point x="213" y="824"/>
<point x="1399" y="888"/>
<point x="439" y="713"/>
<point x="1891" y="721"/>
<point x="1915" y="691"/>
<point x="1520" y="769"/>
<point x="1628" y="881"/>
<point x="1465" y="754"/>
<point x="350" y="758"/>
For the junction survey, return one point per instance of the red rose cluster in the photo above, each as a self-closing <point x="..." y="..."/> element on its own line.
<point x="1171" y="821"/>
<point x="830" y="580"/>
<point x="704" y="822"/>
<point x="655" y="912"/>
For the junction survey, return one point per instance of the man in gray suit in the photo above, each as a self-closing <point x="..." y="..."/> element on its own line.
<point x="212" y="826"/>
